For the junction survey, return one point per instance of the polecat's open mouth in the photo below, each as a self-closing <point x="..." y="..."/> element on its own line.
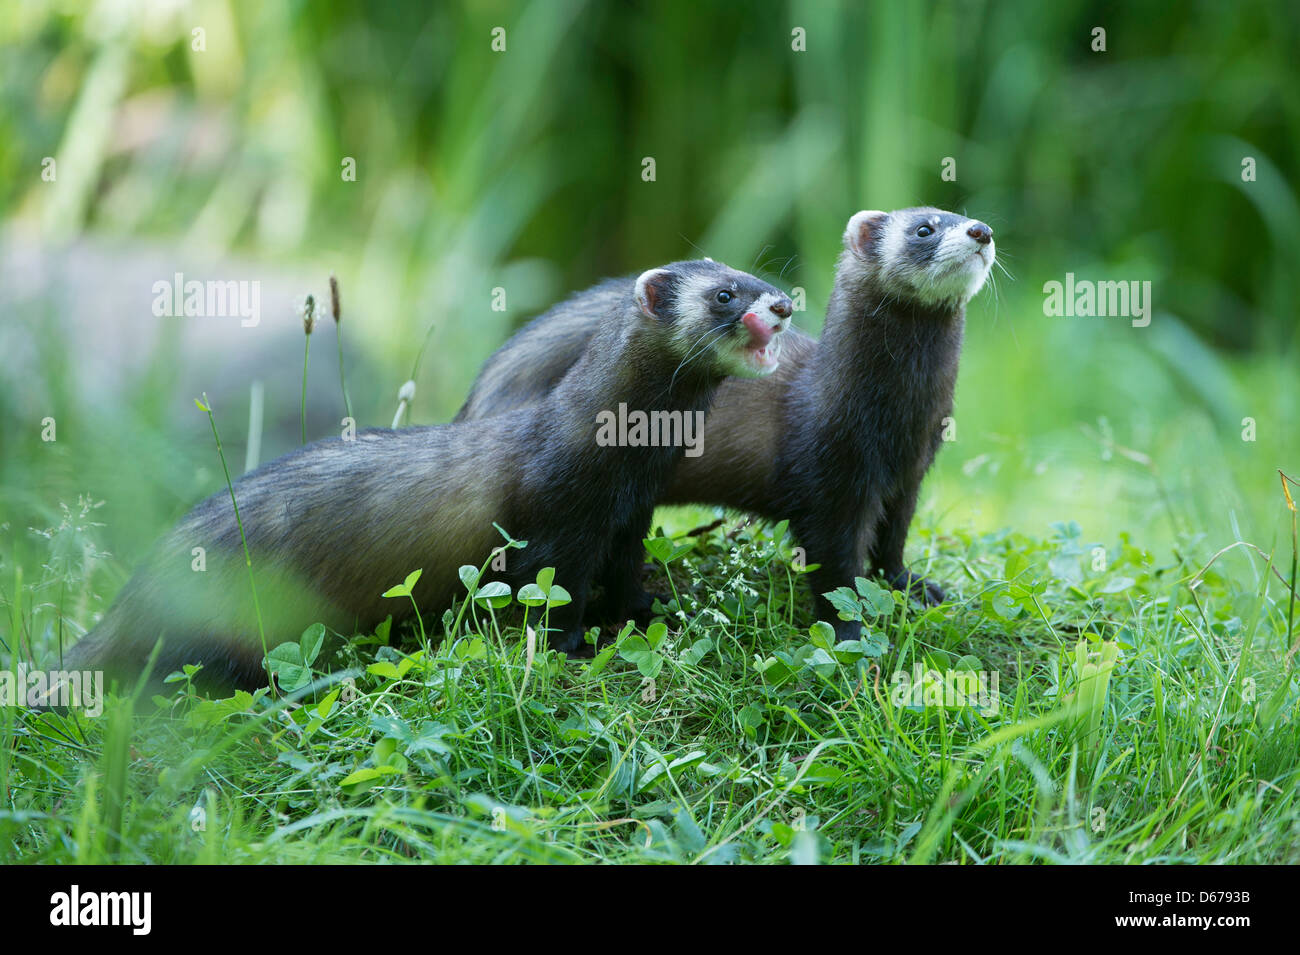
<point x="766" y="358"/>
<point x="763" y="350"/>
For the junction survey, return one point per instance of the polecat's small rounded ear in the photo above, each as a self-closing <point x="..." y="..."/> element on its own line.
<point x="864" y="231"/>
<point x="652" y="291"/>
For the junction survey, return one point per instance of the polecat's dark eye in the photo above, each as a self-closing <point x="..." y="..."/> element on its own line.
<point x="924" y="231"/>
<point x="724" y="296"/>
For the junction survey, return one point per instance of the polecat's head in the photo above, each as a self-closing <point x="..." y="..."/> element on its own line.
<point x="729" y="319"/>
<point x="934" y="257"/>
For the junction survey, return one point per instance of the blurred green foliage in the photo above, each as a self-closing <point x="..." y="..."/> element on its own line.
<point x="1129" y="158"/>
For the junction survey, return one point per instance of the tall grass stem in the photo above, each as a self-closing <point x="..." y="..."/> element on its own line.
<point x="243" y="540"/>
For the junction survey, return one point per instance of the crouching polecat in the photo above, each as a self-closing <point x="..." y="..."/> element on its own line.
<point x="839" y="438"/>
<point x="332" y="525"/>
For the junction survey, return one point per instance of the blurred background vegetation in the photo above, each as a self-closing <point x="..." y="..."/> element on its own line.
<point x="522" y="170"/>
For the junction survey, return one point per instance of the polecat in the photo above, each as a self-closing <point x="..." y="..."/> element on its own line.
<point x="332" y="525"/>
<point x="839" y="438"/>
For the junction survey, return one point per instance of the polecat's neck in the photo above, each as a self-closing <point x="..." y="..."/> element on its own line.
<point x="622" y="375"/>
<point x="881" y="357"/>
<point x="634" y="367"/>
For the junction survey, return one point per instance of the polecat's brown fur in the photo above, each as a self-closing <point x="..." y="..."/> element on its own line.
<point x="839" y="438"/>
<point x="332" y="525"/>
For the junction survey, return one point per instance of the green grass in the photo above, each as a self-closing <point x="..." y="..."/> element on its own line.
<point x="737" y="733"/>
<point x="481" y="171"/>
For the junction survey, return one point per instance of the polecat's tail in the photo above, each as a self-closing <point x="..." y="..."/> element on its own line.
<point x="66" y="684"/>
<point x="103" y="650"/>
<point x="123" y="659"/>
<point x="89" y="653"/>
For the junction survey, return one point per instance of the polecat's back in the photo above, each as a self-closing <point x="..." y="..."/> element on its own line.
<point x="535" y="358"/>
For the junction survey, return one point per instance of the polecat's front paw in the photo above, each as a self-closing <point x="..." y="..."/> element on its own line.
<point x="572" y="642"/>
<point x="847" y="630"/>
<point x="638" y="607"/>
<point x="917" y="587"/>
<point x="641" y="607"/>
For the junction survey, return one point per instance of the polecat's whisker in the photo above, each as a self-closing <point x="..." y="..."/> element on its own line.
<point x="695" y="350"/>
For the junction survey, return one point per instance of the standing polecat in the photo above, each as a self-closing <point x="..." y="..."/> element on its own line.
<point x="334" y="524"/>
<point x="839" y="438"/>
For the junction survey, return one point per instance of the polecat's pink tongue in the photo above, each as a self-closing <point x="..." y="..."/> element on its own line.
<point x="760" y="333"/>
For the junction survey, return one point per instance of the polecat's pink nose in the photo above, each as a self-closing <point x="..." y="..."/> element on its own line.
<point x="980" y="233"/>
<point x="760" y="332"/>
<point x="782" y="308"/>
